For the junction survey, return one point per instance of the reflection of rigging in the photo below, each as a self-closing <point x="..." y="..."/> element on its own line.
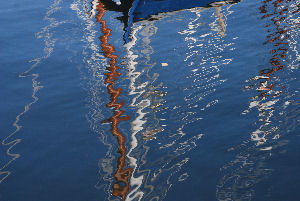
<point x="267" y="86"/>
<point x="47" y="34"/>
<point x="249" y="168"/>
<point x="221" y="21"/>
<point x="121" y="187"/>
<point x="279" y="52"/>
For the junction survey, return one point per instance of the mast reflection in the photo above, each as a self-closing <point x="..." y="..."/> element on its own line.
<point x="121" y="186"/>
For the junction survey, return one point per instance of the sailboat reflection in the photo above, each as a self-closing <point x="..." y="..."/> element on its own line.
<point x="248" y="168"/>
<point x="160" y="135"/>
<point x="151" y="133"/>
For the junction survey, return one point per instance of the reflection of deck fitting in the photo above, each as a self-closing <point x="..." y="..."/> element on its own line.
<point x="121" y="187"/>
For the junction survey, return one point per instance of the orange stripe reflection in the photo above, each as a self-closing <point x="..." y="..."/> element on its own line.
<point x="278" y="38"/>
<point x="121" y="186"/>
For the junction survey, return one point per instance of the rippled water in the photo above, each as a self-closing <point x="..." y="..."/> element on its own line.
<point x="194" y="104"/>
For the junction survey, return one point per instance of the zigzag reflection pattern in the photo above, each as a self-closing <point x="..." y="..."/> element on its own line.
<point x="121" y="187"/>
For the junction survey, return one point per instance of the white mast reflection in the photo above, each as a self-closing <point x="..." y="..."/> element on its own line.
<point x="143" y="181"/>
<point x="142" y="91"/>
<point x="137" y="124"/>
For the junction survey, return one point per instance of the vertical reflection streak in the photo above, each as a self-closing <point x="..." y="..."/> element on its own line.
<point x="248" y="169"/>
<point x="48" y="49"/>
<point x="121" y="187"/>
<point x="267" y="99"/>
<point x="137" y="124"/>
<point x="93" y="83"/>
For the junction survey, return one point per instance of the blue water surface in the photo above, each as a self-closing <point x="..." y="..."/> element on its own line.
<point x="209" y="98"/>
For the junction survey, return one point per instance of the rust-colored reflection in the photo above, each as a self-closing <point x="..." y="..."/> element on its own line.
<point x="275" y="11"/>
<point x="121" y="186"/>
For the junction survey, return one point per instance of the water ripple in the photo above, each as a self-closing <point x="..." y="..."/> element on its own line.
<point x="47" y="34"/>
<point x="158" y="147"/>
<point x="274" y="86"/>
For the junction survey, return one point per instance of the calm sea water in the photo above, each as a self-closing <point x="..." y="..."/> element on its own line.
<point x="199" y="104"/>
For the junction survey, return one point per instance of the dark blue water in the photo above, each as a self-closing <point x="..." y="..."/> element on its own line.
<point x="198" y="104"/>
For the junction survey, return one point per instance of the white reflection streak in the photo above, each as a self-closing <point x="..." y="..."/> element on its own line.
<point x="141" y="92"/>
<point x="95" y="81"/>
<point x="48" y="49"/>
<point x="137" y="124"/>
<point x="158" y="179"/>
<point x="95" y="3"/>
<point x="91" y="38"/>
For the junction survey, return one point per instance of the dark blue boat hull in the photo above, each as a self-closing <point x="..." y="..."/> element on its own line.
<point x="137" y="10"/>
<point x="146" y="8"/>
